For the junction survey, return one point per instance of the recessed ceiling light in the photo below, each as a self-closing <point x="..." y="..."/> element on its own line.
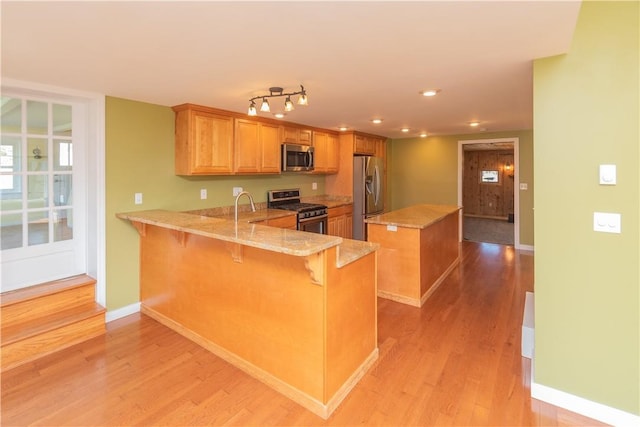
<point x="343" y="128"/>
<point x="474" y="124"/>
<point x="430" y="92"/>
<point x="376" y="121"/>
<point x="405" y="130"/>
<point x="279" y="115"/>
<point x="423" y="135"/>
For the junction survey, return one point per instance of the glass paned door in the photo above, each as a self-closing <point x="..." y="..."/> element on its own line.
<point x="38" y="201"/>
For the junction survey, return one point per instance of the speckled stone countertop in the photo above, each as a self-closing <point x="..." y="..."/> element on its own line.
<point x="418" y="216"/>
<point x="328" y="200"/>
<point x="274" y="239"/>
<point x="244" y="213"/>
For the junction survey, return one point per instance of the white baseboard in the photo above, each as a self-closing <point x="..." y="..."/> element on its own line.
<point x="525" y="248"/>
<point x="579" y="405"/>
<point x="122" y="312"/>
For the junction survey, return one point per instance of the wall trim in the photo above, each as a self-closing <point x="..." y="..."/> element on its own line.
<point x="526" y="248"/>
<point x="121" y="312"/>
<point x="588" y="408"/>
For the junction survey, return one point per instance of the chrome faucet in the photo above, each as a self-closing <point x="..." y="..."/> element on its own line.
<point x="253" y="206"/>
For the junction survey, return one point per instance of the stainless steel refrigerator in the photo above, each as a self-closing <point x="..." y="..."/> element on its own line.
<point x="368" y="192"/>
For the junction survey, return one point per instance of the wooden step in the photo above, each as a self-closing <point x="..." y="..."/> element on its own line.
<point x="48" y="298"/>
<point x="45" y="318"/>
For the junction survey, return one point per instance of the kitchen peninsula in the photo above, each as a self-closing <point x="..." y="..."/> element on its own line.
<point x="295" y="310"/>
<point x="419" y="246"/>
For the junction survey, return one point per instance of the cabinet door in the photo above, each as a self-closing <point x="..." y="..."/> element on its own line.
<point x="332" y="226"/>
<point x="320" y="146"/>
<point x="304" y="137"/>
<point x="363" y="145"/>
<point x="296" y="135"/>
<point x="333" y="151"/>
<point x="247" y="146"/>
<point x="209" y="142"/>
<point x="270" y="141"/>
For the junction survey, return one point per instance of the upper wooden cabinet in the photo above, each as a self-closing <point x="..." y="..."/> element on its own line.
<point x="369" y="145"/>
<point x="326" y="152"/>
<point x="257" y="147"/>
<point x="204" y="142"/>
<point x="295" y="135"/>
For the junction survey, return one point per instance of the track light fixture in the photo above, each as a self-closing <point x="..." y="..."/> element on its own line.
<point x="277" y="92"/>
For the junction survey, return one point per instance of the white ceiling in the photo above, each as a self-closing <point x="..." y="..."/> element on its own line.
<point x="357" y="59"/>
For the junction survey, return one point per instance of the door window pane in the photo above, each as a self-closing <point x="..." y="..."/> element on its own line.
<point x="37" y="194"/>
<point x="62" y="225"/>
<point x="62" y="190"/>
<point x="38" y="227"/>
<point x="11" y="230"/>
<point x="10" y="165"/>
<point x="11" y="111"/>
<point x="61" y="119"/>
<point x="62" y="155"/>
<point x="37" y="118"/>
<point x="37" y="154"/>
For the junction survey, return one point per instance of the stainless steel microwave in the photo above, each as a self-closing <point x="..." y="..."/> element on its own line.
<point x="296" y="158"/>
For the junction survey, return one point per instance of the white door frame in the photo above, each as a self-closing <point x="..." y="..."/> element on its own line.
<point x="95" y="164"/>
<point x="516" y="178"/>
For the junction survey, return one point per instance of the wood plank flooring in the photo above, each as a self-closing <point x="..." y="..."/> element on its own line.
<point x="456" y="361"/>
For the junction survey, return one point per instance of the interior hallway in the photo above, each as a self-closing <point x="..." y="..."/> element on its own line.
<point x="455" y="361"/>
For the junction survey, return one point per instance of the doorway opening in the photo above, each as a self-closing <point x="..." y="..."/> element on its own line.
<point x="487" y="179"/>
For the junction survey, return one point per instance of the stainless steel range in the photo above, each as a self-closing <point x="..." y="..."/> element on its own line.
<point x="312" y="217"/>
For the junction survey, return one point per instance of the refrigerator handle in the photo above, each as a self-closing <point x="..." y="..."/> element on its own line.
<point x="376" y="177"/>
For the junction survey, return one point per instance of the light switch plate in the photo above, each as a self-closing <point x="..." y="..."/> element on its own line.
<point x="606" y="222"/>
<point x="523" y="186"/>
<point x="607" y="174"/>
<point x="236" y="191"/>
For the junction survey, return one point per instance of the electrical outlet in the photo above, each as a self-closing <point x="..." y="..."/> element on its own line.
<point x="137" y="198"/>
<point x="236" y="191"/>
<point x="314" y="185"/>
<point x="203" y="194"/>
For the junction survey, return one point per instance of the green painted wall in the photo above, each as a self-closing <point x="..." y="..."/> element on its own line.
<point x="140" y="158"/>
<point x="587" y="333"/>
<point x="425" y="170"/>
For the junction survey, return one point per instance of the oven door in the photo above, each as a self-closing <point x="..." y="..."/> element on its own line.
<point x="316" y="224"/>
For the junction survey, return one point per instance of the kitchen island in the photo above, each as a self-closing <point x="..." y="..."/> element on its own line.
<point x="419" y="246"/>
<point x="295" y="310"/>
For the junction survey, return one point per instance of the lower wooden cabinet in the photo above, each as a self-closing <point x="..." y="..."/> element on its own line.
<point x="340" y="221"/>
<point x="288" y="222"/>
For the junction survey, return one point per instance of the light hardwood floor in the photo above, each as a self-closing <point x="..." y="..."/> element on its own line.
<point x="455" y="361"/>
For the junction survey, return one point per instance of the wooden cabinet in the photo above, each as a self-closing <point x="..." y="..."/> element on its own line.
<point x="340" y="221"/>
<point x="289" y="222"/>
<point x="295" y="135"/>
<point x="203" y="142"/>
<point x="369" y="145"/>
<point x="326" y="152"/>
<point x="257" y="147"/>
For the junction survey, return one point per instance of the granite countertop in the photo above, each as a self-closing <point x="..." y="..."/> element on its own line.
<point x="328" y="200"/>
<point x="245" y="214"/>
<point x="291" y="242"/>
<point x="418" y="216"/>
